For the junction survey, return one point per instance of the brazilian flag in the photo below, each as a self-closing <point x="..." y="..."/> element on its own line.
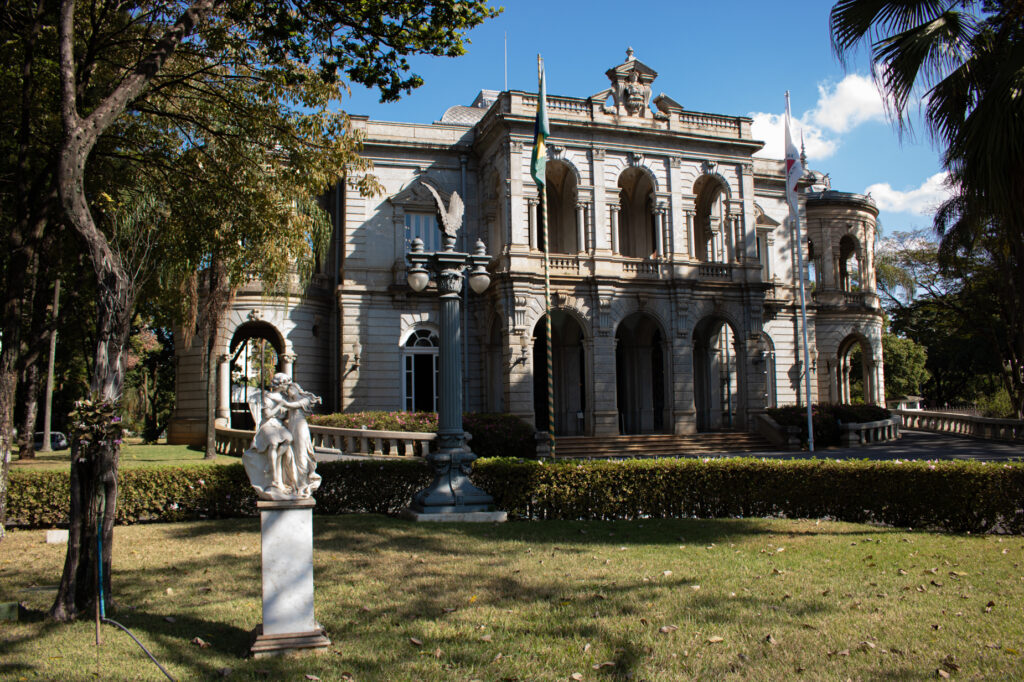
<point x="541" y="131"/>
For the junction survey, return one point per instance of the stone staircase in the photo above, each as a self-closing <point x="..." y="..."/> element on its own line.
<point x="660" y="445"/>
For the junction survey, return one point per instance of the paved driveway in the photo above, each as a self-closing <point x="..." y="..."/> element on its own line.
<point x="919" y="445"/>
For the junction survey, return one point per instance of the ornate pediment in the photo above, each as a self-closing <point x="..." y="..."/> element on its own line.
<point x="631" y="86"/>
<point x="415" y="195"/>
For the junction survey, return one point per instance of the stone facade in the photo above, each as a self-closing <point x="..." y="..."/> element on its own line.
<point x="672" y="269"/>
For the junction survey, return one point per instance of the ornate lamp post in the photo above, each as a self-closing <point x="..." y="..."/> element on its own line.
<point x="451" y="491"/>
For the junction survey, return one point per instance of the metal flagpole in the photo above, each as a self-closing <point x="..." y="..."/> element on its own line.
<point x="547" y="300"/>
<point x="794" y="212"/>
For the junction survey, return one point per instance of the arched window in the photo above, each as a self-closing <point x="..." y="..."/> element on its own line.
<point x="849" y="264"/>
<point x="420" y="371"/>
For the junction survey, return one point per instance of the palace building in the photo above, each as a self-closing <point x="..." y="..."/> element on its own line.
<point x="673" y="271"/>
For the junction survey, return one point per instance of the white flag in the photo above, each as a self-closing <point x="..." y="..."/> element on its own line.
<point x="794" y="169"/>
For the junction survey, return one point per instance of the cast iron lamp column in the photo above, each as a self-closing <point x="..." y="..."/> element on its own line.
<point x="451" y="490"/>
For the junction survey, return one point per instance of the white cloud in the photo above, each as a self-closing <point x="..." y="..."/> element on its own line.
<point x="922" y="200"/>
<point x="847" y="104"/>
<point x="840" y="108"/>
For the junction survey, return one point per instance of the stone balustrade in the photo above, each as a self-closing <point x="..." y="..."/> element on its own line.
<point x="962" y="424"/>
<point x="340" y="441"/>
<point x="865" y="433"/>
<point x="565" y="263"/>
<point x="714" y="271"/>
<point x="644" y="268"/>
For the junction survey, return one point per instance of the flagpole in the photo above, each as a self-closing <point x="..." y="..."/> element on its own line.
<point x="794" y="213"/>
<point x="542" y="190"/>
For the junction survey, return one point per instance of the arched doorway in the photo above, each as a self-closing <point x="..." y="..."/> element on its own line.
<point x="710" y="230"/>
<point x="419" y="371"/>
<point x="562" y="193"/>
<point x="569" y="365"/>
<point x="496" y="369"/>
<point x="855" y="353"/>
<point x="636" y="219"/>
<point x="257" y="353"/>
<point x="640" y="375"/>
<point x="718" y="379"/>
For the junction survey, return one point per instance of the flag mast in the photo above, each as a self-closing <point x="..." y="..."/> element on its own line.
<point x="794" y="171"/>
<point x="538" y="169"/>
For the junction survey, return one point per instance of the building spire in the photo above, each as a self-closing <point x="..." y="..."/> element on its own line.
<point x="803" y="151"/>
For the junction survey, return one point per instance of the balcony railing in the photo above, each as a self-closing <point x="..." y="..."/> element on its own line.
<point x="641" y="268"/>
<point x="721" y="271"/>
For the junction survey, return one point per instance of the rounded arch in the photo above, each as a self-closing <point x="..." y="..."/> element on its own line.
<point x="419" y="349"/>
<point x="849" y="262"/>
<point x="719" y="374"/>
<point x="412" y="328"/>
<point x="642" y="374"/>
<point x="569" y="373"/>
<point x="562" y="192"/>
<point x="257" y="352"/>
<point x="766" y="363"/>
<point x="535" y="316"/>
<point x="852" y="376"/>
<point x="710" y="233"/>
<point x="637" y="192"/>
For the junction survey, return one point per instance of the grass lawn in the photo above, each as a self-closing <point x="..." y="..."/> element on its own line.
<point x="657" y="600"/>
<point x="132" y="455"/>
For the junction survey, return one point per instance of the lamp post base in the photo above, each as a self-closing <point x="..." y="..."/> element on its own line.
<point x="451" y="491"/>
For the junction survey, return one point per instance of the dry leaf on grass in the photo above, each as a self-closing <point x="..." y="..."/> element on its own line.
<point x="942" y="673"/>
<point x="576" y="676"/>
<point x="170" y="619"/>
<point x="665" y="629"/>
<point x="225" y="672"/>
<point x="200" y="642"/>
<point x="415" y="642"/>
<point x="311" y="676"/>
<point x="485" y="638"/>
<point x="769" y="640"/>
<point x="715" y="639"/>
<point x="606" y="664"/>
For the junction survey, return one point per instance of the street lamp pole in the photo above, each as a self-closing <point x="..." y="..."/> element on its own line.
<point x="451" y="490"/>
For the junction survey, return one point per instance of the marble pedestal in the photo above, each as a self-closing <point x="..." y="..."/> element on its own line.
<point x="286" y="528"/>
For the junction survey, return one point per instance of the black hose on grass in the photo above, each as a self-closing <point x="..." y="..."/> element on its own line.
<point x="102" y="616"/>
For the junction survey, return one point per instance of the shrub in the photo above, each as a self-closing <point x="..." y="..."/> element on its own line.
<point x="494" y="434"/>
<point x="827" y="419"/>
<point x="958" y="496"/>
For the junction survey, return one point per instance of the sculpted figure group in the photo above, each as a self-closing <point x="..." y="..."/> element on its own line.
<point x="280" y="460"/>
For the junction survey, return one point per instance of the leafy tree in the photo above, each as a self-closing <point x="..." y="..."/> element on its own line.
<point x="905" y="372"/>
<point x="212" y="128"/>
<point x="968" y="59"/>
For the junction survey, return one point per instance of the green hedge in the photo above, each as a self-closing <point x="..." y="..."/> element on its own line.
<point x="826" y="419"/>
<point x="494" y="434"/>
<point x="954" y="496"/>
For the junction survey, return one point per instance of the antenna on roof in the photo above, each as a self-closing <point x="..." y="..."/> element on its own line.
<point x="506" y="61"/>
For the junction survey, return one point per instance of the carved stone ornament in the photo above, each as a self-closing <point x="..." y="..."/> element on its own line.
<point x="255" y="315"/>
<point x="631" y="86"/>
<point x="279" y="462"/>
<point x="597" y="153"/>
<point x="556" y="152"/>
<point x="709" y="167"/>
<point x="634" y="159"/>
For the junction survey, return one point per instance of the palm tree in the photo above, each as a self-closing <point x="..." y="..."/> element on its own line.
<point x="965" y="59"/>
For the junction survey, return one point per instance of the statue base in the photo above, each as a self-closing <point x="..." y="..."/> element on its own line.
<point x="451" y="491"/>
<point x="286" y="529"/>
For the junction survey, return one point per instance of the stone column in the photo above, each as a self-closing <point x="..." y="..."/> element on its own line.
<point x="614" y="211"/>
<point x="224" y="390"/>
<point x="581" y="226"/>
<point x="659" y="231"/>
<point x="288" y="364"/>
<point x="691" y="250"/>
<point x="531" y="220"/>
<point x="606" y="416"/>
<point x="740" y="244"/>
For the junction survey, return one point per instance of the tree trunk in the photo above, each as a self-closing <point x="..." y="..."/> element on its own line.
<point x="218" y="298"/>
<point x="30" y="410"/>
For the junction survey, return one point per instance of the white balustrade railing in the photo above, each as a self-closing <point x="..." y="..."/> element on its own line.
<point x="714" y="271"/>
<point x="569" y="263"/>
<point x="641" y="267"/>
<point x="962" y="424"/>
<point x="341" y="441"/>
<point x="865" y="433"/>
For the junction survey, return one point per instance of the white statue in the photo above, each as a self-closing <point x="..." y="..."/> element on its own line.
<point x="280" y="462"/>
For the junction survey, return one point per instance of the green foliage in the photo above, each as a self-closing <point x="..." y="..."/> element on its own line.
<point x="494" y="434"/>
<point x="905" y="371"/>
<point x="957" y="496"/>
<point x="95" y="425"/>
<point x="826" y="419"/>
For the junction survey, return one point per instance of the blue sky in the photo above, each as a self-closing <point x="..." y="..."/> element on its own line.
<point x="735" y="58"/>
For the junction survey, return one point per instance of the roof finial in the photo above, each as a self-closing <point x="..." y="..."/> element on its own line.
<point x="629" y="54"/>
<point x="803" y="151"/>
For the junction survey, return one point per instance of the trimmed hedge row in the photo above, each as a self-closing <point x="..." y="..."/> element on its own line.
<point x="955" y="496"/>
<point x="494" y="434"/>
<point x="826" y="419"/>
